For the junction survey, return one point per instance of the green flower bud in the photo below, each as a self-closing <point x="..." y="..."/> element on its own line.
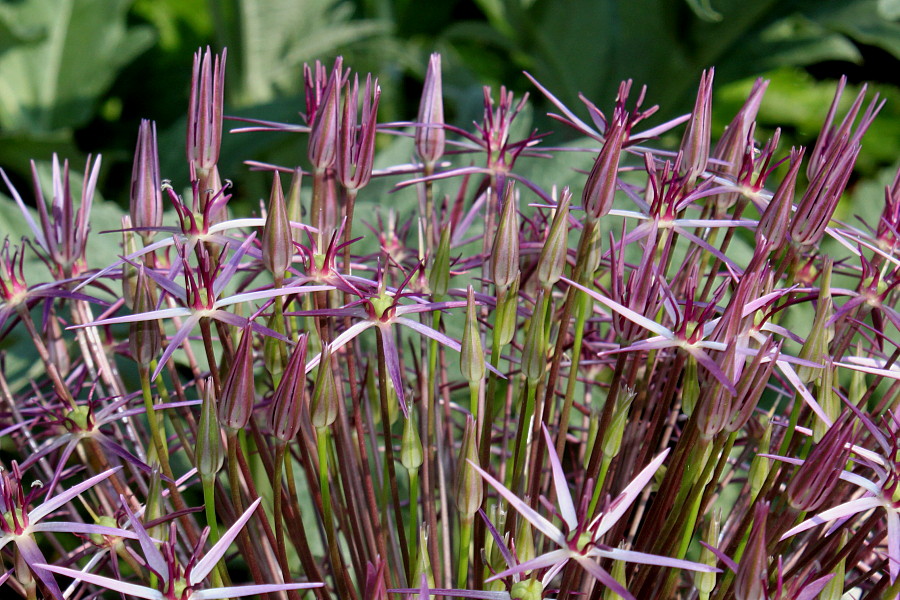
<point x="411" y="452"/>
<point x="706" y="582"/>
<point x="505" y="251"/>
<point x="468" y="488"/>
<point x="815" y="349"/>
<point x="208" y="450"/>
<point x="471" y="355"/>
<point x="612" y="438"/>
<point x="759" y="466"/>
<point x="439" y="277"/>
<point x="423" y="561"/>
<point x="324" y="407"/>
<point x="525" y="550"/>
<point x="553" y="256"/>
<point x="530" y="589"/>
<point x="690" y="386"/>
<point x="505" y="317"/>
<point x="534" y="359"/>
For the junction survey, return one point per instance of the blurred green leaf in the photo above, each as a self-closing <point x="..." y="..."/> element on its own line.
<point x="54" y="81"/>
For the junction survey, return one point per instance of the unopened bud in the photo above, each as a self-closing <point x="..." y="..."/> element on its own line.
<point x="749" y="583"/>
<point x="534" y="359"/>
<point x="145" y="338"/>
<point x="471" y="355"/>
<point x="695" y="143"/>
<point x="412" y="455"/>
<point x="759" y="466"/>
<point x="287" y="403"/>
<point x="239" y="390"/>
<point x="439" y="277"/>
<point x="324" y="407"/>
<point x="705" y="582"/>
<point x="815" y="480"/>
<point x="612" y="437"/>
<point x="146" y="206"/>
<point x="468" y="488"/>
<point x="505" y="251"/>
<point x="277" y="240"/>
<point x="507" y="307"/>
<point x="815" y="349"/>
<point x="430" y="133"/>
<point x="208" y="450"/>
<point x="618" y="573"/>
<point x="553" y="255"/>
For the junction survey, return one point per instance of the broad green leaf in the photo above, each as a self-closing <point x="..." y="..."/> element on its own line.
<point x="54" y="81"/>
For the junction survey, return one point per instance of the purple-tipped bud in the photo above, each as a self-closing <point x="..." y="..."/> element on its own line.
<point x="145" y="338"/>
<point x="239" y="390"/>
<point x="600" y="188"/>
<point x="695" y="143"/>
<point x="287" y="403"/>
<point x="553" y="255"/>
<point x="324" y="407"/>
<point x="773" y="225"/>
<point x="146" y="205"/>
<point x="204" y="132"/>
<point x="814" y="481"/>
<point x="356" y="142"/>
<point x="505" y="251"/>
<point x="471" y="355"/>
<point x="208" y="450"/>
<point x="277" y="240"/>
<point x="468" y="488"/>
<point x="323" y="133"/>
<point x="752" y="384"/>
<point x="733" y="143"/>
<point x="430" y="133"/>
<point x="749" y="583"/>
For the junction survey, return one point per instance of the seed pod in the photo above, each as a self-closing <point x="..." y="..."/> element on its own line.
<point x="412" y="455"/>
<point x="471" y="355"/>
<point x="553" y="255"/>
<point x="324" y="407"/>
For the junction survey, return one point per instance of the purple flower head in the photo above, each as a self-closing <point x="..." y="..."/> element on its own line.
<point x="205" y="112"/>
<point x="356" y="140"/>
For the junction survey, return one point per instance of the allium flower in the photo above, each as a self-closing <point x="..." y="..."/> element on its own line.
<point x="881" y="492"/>
<point x="177" y="582"/>
<point x="201" y="299"/>
<point x="19" y="525"/>
<point x="582" y="540"/>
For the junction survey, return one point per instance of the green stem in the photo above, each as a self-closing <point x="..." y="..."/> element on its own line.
<point x="413" y="512"/>
<point x="465" y="540"/>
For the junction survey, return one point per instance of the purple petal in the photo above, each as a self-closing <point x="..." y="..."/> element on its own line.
<point x="629" y="495"/>
<point x="340" y="341"/>
<point x="249" y="590"/>
<point x="498" y="541"/>
<point x="481" y="595"/>
<point x="651" y="559"/>
<point x="115" y="585"/>
<point x="215" y="554"/>
<point x="563" y="495"/>
<point x="186" y="327"/>
<point x="542" y="524"/>
<point x="48" y="506"/>
<point x="69" y="527"/>
<point x="893" y="521"/>
<point x="32" y="555"/>
<point x="153" y="556"/>
<point x="544" y="560"/>
<point x="285" y="291"/>
<point x="814" y="588"/>
<point x="625" y="312"/>
<point x="392" y="362"/>
<point x="841" y="510"/>
<point x="603" y="577"/>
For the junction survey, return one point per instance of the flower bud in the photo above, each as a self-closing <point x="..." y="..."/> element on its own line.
<point x="749" y="583"/>
<point x="204" y="131"/>
<point x="239" y="391"/>
<point x="505" y="251"/>
<point x="600" y="188"/>
<point x="324" y="127"/>
<point x="430" y="134"/>
<point x="471" y="355"/>
<point x="146" y="206"/>
<point x="294" y="206"/>
<point x="529" y="589"/>
<point x="356" y="141"/>
<point x="759" y="466"/>
<point x="423" y="561"/>
<point x="277" y="240"/>
<point x="468" y="489"/>
<point x="145" y="338"/>
<point x="776" y="218"/>
<point x="815" y="348"/>
<point x="706" y="582"/>
<point x="534" y="359"/>
<point x="287" y="403"/>
<point x="612" y="437"/>
<point x="815" y="480"/>
<point x="324" y="407"/>
<point x="553" y="255"/>
<point x="505" y="317"/>
<point x="439" y="277"/>
<point x="129" y="271"/>
<point x="412" y="455"/>
<point x="208" y="450"/>
<point x="525" y="549"/>
<point x="695" y="143"/>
